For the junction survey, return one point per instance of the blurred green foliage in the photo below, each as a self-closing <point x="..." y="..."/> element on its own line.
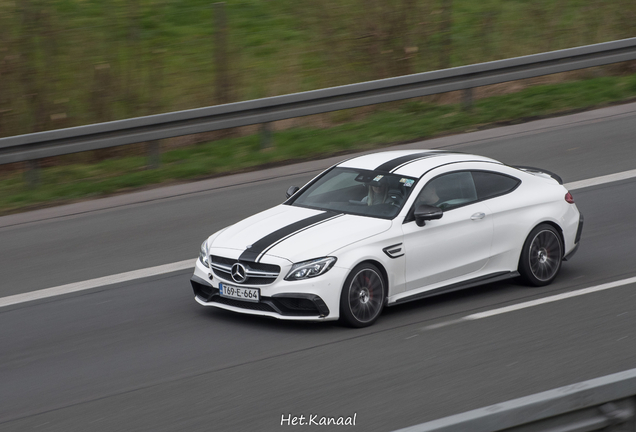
<point x="70" y="62"/>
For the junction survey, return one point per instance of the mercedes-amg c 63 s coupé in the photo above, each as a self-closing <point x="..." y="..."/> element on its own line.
<point x="386" y="228"/>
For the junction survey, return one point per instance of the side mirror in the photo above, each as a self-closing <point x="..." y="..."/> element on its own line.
<point x="425" y="212"/>
<point x="292" y="190"/>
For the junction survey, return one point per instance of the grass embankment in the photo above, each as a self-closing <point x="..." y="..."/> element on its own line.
<point x="410" y="121"/>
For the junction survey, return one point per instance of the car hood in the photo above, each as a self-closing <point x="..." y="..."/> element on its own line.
<point x="294" y="233"/>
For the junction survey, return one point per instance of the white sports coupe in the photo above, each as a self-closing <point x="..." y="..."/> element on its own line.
<point x="387" y="228"/>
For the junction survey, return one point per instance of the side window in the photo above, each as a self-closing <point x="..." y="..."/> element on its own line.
<point x="490" y="185"/>
<point x="449" y="191"/>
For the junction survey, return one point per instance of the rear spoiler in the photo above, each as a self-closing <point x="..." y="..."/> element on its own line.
<point x="533" y="170"/>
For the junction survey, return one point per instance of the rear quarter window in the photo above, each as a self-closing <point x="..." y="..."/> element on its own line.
<point x="490" y="184"/>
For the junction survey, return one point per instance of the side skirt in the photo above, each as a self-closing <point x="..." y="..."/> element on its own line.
<point x="491" y="278"/>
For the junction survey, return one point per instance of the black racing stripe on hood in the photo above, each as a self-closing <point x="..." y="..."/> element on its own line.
<point x="263" y="244"/>
<point x="394" y="163"/>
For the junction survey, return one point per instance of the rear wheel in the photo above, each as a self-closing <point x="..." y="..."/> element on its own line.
<point x="541" y="256"/>
<point x="362" y="297"/>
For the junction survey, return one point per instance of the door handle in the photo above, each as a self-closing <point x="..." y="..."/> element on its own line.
<point x="478" y="216"/>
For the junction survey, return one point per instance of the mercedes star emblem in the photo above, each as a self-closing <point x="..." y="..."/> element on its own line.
<point x="239" y="274"/>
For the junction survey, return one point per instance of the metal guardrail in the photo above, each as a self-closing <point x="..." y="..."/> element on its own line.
<point x="607" y="403"/>
<point x="77" y="139"/>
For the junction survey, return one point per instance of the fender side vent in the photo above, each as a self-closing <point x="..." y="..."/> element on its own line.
<point x="394" y="251"/>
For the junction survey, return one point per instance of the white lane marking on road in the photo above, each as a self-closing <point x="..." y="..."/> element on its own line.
<point x="95" y="283"/>
<point x="601" y="180"/>
<point x="188" y="264"/>
<point x="442" y="324"/>
<point x="532" y="303"/>
<point x="550" y="299"/>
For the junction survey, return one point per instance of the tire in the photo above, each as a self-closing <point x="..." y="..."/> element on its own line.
<point x="541" y="256"/>
<point x="363" y="296"/>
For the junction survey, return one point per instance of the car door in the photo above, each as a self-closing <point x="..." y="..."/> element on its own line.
<point x="508" y="216"/>
<point x="454" y="246"/>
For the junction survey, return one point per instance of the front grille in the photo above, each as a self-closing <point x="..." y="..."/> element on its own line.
<point x="257" y="273"/>
<point x="250" y="280"/>
<point x="255" y="265"/>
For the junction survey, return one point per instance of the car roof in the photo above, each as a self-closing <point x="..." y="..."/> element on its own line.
<point x="411" y="163"/>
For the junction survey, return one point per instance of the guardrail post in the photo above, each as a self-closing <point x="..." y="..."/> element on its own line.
<point x="631" y="423"/>
<point x="620" y="420"/>
<point x="266" y="135"/>
<point x="154" y="154"/>
<point x="32" y="173"/>
<point x="467" y="99"/>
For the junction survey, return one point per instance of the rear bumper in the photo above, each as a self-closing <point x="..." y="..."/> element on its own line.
<point x="577" y="240"/>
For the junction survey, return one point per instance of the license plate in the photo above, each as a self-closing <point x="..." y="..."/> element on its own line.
<point x="239" y="293"/>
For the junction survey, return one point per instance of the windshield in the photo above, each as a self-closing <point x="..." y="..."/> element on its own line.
<point x="360" y="192"/>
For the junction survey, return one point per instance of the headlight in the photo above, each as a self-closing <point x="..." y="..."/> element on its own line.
<point x="203" y="254"/>
<point x="309" y="269"/>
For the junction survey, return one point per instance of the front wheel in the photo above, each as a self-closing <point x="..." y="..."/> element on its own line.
<point x="362" y="297"/>
<point x="541" y="256"/>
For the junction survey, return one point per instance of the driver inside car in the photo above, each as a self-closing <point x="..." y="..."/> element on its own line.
<point x="378" y="192"/>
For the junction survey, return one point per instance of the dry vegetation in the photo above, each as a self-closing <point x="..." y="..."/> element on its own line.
<point x="71" y="62"/>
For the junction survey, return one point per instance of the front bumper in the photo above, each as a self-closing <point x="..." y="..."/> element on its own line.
<point x="315" y="299"/>
<point x="298" y="305"/>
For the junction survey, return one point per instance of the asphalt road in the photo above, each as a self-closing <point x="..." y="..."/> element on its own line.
<point x="143" y="355"/>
